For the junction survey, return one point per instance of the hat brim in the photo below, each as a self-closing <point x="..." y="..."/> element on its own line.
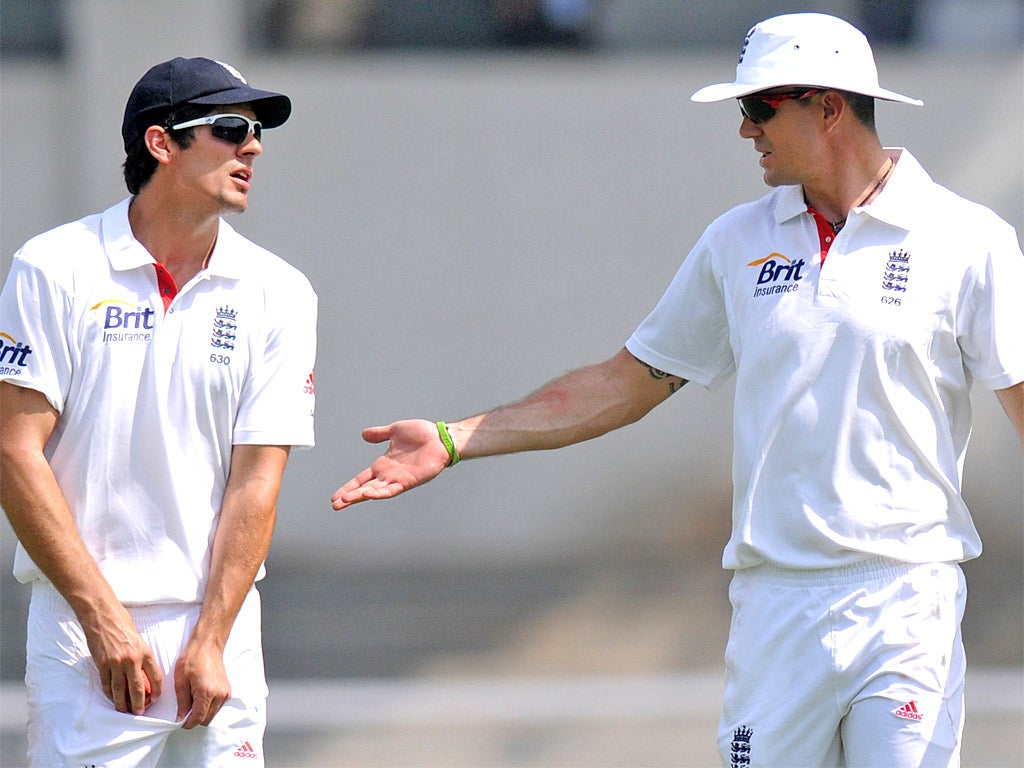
<point x="272" y="109"/>
<point x="723" y="91"/>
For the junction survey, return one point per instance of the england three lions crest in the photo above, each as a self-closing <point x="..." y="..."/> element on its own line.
<point x="896" y="275"/>
<point x="224" y="328"/>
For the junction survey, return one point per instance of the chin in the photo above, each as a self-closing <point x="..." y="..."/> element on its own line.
<point x="776" y="179"/>
<point x="235" y="205"/>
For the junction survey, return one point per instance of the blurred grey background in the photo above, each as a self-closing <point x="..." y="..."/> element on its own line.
<point x="485" y="194"/>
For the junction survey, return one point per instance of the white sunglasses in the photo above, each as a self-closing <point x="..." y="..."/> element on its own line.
<point x="231" y="128"/>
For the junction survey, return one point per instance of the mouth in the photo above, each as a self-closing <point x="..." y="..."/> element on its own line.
<point x="243" y="175"/>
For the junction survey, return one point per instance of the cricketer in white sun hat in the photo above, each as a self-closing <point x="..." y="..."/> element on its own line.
<point x="811" y="49"/>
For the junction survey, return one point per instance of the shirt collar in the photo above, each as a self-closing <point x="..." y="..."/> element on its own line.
<point x="900" y="197"/>
<point x="125" y="252"/>
<point x="894" y="204"/>
<point x="122" y="249"/>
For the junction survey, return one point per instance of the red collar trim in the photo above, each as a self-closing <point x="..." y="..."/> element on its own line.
<point x="168" y="288"/>
<point x="826" y="236"/>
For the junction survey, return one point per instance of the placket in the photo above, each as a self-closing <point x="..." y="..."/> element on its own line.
<point x="834" y="249"/>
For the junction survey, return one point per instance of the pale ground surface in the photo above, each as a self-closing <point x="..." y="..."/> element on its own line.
<point x="595" y="664"/>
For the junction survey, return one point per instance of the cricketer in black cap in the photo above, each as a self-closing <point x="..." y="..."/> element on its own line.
<point x="173" y="376"/>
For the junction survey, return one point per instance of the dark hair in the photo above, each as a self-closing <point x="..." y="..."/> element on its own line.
<point x="139" y="165"/>
<point x="863" y="108"/>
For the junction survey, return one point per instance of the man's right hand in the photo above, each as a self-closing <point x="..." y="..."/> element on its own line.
<point x="415" y="456"/>
<point x="128" y="671"/>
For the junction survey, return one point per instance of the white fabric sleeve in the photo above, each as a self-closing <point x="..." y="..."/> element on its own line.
<point x="278" y="401"/>
<point x="990" y="320"/>
<point x="687" y="333"/>
<point x="34" y="312"/>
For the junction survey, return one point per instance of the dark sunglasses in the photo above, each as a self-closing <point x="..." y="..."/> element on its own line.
<point x="761" y="109"/>
<point x="231" y="128"/>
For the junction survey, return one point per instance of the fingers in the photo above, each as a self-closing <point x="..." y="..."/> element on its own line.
<point x="183" y="693"/>
<point x="139" y="691"/>
<point x="141" y="700"/>
<point x="415" y="456"/>
<point x="199" y="703"/>
<point x="115" y="688"/>
<point x="340" y="501"/>
<point x="362" y="488"/>
<point x="350" y="492"/>
<point x="127" y="669"/>
<point x="355" y="490"/>
<point x="377" y="434"/>
<point x="154" y="680"/>
<point x="201" y="684"/>
<point x="201" y="708"/>
<point x="131" y="689"/>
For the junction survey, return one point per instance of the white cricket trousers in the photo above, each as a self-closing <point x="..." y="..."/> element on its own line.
<point x="72" y="723"/>
<point x="857" y="666"/>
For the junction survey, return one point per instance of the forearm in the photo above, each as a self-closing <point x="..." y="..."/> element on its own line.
<point x="38" y="512"/>
<point x="40" y="518"/>
<point x="244" y="530"/>
<point x="579" y="406"/>
<point x="243" y="537"/>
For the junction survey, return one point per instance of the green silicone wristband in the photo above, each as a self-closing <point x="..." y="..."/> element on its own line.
<point x="449" y="443"/>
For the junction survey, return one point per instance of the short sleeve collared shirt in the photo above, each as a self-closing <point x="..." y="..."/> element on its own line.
<point x="853" y="373"/>
<point x="153" y="388"/>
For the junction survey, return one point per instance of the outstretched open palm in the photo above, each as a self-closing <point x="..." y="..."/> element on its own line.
<point x="414" y="456"/>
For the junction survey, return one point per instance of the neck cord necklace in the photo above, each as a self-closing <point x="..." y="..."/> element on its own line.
<point x="838" y="225"/>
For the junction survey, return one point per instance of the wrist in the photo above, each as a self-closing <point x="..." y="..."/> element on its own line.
<point x="449" y="444"/>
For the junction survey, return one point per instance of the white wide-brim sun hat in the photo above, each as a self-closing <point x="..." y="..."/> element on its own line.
<point x="812" y="49"/>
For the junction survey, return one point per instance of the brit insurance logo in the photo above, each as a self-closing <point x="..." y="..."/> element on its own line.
<point x="124" y="322"/>
<point x="777" y="274"/>
<point x="14" y="355"/>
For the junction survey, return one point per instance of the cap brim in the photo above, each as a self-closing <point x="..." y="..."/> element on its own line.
<point x="272" y="109"/>
<point x="723" y="91"/>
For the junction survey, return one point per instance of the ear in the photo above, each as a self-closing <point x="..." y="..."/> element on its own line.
<point x="833" y="108"/>
<point x="159" y="143"/>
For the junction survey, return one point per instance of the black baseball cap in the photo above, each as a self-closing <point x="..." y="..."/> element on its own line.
<point x="195" y="81"/>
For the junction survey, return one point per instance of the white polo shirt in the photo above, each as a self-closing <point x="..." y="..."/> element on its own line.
<point x="852" y="414"/>
<point x="153" y="389"/>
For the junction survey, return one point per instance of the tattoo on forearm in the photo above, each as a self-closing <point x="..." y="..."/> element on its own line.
<point x="674" y="382"/>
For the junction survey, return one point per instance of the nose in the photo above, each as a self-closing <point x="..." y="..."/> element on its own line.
<point x="251" y="145"/>
<point x="749" y="129"/>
